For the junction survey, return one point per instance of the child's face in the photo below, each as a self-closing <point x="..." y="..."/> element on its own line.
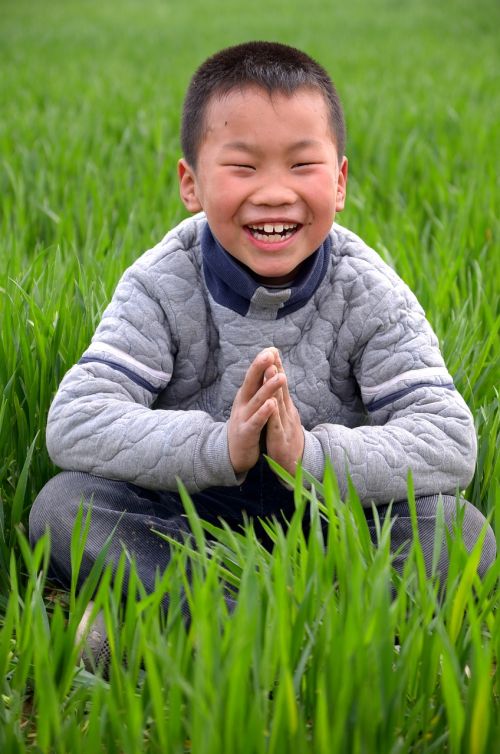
<point x="268" y="178"/>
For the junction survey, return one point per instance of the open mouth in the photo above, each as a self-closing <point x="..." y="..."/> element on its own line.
<point x="273" y="232"/>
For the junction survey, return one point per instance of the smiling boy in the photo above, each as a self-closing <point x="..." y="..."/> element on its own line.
<point x="255" y="326"/>
<point x="270" y="180"/>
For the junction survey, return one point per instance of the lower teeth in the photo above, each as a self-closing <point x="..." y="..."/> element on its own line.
<point x="271" y="236"/>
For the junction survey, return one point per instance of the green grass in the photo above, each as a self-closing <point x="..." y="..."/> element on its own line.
<point x="90" y="95"/>
<point x="317" y="656"/>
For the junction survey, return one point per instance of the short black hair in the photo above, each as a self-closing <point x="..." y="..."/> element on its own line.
<point x="271" y="66"/>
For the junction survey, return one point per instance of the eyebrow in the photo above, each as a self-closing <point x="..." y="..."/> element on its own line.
<point x="243" y="146"/>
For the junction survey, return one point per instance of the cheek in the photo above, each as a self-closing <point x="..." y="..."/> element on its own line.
<point x="322" y="191"/>
<point x="226" y="197"/>
<point x="323" y="205"/>
<point x="324" y="202"/>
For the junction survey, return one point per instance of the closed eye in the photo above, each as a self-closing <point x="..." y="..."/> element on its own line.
<point x="304" y="164"/>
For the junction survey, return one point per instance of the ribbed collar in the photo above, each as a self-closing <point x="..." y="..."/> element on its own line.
<point x="233" y="286"/>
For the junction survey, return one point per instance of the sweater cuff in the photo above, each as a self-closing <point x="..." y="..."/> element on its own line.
<point x="212" y="464"/>
<point x="313" y="458"/>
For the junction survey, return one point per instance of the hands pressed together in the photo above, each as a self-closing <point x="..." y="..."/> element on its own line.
<point x="263" y="401"/>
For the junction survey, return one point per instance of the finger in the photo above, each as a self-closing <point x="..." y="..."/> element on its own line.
<point x="264" y="414"/>
<point x="268" y="390"/>
<point x="274" y="423"/>
<point x="282" y="407"/>
<point x="245" y="410"/>
<point x="281" y="369"/>
<point x="286" y="396"/>
<point x="283" y="396"/>
<point x="270" y="372"/>
<point x="277" y="360"/>
<point x="245" y="434"/>
<point x="255" y="373"/>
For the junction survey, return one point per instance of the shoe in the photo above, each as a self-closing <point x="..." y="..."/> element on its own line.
<point x="96" y="653"/>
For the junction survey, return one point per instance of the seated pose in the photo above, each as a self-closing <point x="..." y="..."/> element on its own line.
<point x="257" y="326"/>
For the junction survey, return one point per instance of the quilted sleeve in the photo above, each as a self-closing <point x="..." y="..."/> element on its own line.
<point x="101" y="420"/>
<point x="416" y="419"/>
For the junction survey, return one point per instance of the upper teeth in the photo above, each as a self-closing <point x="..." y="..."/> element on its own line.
<point x="271" y="228"/>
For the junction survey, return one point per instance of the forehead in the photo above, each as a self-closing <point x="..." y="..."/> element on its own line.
<point x="249" y="110"/>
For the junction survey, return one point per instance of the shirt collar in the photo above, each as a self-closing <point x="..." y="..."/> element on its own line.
<point x="232" y="285"/>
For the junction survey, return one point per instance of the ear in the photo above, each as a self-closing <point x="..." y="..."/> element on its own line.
<point x="341" y="185"/>
<point x="188" y="187"/>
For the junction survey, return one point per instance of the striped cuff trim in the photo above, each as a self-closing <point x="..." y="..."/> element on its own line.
<point x="124" y="357"/>
<point x="420" y="375"/>
<point x="382" y="402"/>
<point x="124" y="370"/>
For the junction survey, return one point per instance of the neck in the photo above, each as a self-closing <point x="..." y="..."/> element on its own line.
<point x="233" y="285"/>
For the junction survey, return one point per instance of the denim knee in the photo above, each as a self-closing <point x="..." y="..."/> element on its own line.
<point x="55" y="507"/>
<point x="426" y="509"/>
<point x="473" y="523"/>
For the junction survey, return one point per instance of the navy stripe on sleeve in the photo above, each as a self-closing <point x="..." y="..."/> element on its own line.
<point x="128" y="372"/>
<point x="382" y="402"/>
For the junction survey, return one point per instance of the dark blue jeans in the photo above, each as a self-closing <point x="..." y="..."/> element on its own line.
<point x="137" y="512"/>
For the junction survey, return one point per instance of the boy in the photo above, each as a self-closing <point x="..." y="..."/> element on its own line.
<point x="255" y="325"/>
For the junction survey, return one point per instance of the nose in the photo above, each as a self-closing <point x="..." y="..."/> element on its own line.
<point x="274" y="191"/>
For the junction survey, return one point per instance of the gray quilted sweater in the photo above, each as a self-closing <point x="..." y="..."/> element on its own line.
<point x="149" y="400"/>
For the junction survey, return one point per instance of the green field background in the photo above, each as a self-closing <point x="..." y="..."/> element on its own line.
<point x="90" y="99"/>
<point x="91" y="94"/>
